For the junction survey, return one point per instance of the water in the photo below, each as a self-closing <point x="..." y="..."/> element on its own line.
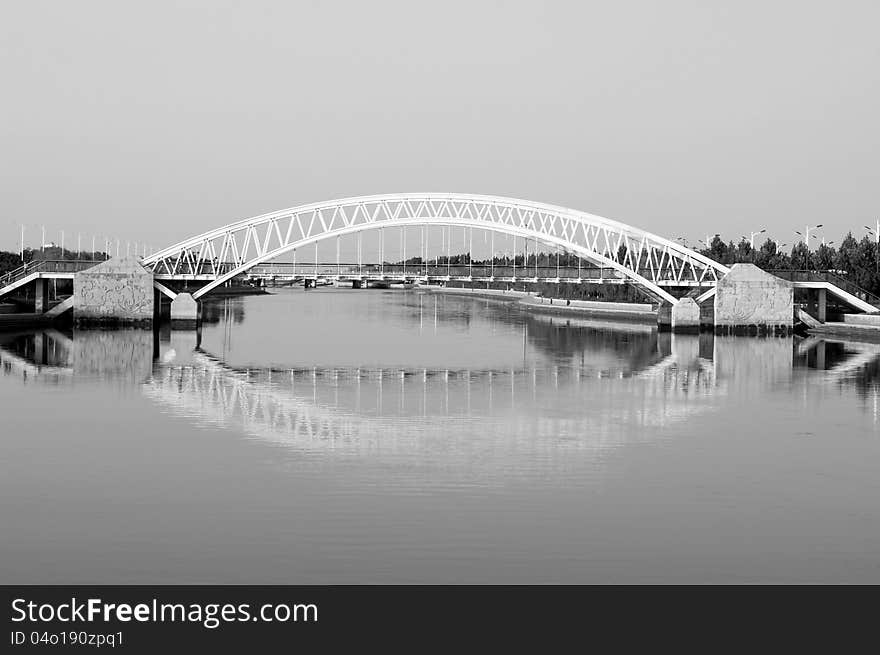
<point x="374" y="437"/>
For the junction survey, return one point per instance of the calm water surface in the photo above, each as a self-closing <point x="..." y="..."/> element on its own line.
<point x="373" y="437"/>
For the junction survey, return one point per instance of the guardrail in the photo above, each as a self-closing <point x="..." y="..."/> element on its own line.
<point x="832" y="278"/>
<point x="46" y="266"/>
<point x="432" y="270"/>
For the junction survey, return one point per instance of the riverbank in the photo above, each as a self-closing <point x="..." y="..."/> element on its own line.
<point x="494" y="294"/>
<point x="847" y="331"/>
<point x="244" y="290"/>
<point x="642" y="313"/>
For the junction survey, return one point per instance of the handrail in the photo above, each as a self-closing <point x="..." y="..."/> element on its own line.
<point x="832" y="278"/>
<point x="21" y="271"/>
<point x="46" y="265"/>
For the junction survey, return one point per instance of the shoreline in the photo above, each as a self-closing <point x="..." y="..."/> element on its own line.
<point x="630" y="312"/>
<point x="847" y="332"/>
<point x="491" y="294"/>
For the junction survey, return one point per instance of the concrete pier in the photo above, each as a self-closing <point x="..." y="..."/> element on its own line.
<point x="685" y="316"/>
<point x="41" y="295"/>
<point x="184" y="312"/>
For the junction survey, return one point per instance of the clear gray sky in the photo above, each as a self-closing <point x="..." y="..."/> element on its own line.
<point x="156" y="120"/>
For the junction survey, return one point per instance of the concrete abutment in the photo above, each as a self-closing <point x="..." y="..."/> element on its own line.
<point x="749" y="299"/>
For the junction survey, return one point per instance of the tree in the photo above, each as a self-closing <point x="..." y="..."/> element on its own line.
<point x="847" y="254"/>
<point x="768" y="257"/>
<point x="824" y="258"/>
<point x="744" y="252"/>
<point x="9" y="261"/>
<point x="717" y="250"/>
<point x="801" y="258"/>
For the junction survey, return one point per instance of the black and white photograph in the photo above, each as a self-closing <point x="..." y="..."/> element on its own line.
<point x="357" y="298"/>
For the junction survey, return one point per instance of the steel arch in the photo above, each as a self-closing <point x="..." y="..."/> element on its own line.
<point x="646" y="259"/>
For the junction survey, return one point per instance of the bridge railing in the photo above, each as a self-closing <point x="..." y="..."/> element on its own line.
<point x="832" y="278"/>
<point x="46" y="266"/>
<point x="441" y="270"/>
<point x="20" y="272"/>
<point x="431" y="269"/>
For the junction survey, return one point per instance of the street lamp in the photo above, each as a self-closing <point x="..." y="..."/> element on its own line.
<point x="709" y="239"/>
<point x="752" y="236"/>
<point x="876" y="233"/>
<point x="806" y="235"/>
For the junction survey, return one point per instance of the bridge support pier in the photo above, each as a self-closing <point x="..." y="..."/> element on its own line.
<point x="749" y="299"/>
<point x="184" y="312"/>
<point x="686" y="316"/>
<point x="41" y="295"/>
<point x="822" y="305"/>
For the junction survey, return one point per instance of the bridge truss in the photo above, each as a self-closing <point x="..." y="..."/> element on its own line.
<point x="644" y="259"/>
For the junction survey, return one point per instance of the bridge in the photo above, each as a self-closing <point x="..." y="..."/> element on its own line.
<point x="596" y="250"/>
<point x="646" y="260"/>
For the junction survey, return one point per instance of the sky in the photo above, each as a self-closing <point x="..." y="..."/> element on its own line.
<point x="155" y="121"/>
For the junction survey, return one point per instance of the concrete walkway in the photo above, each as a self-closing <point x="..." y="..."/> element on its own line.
<point x="620" y="310"/>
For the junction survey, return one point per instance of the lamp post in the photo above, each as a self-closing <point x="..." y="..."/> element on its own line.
<point x="876" y="235"/>
<point x="708" y="240"/>
<point x="752" y="236"/>
<point x="806" y="234"/>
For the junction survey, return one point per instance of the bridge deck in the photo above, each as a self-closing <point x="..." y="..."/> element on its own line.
<point x="415" y="277"/>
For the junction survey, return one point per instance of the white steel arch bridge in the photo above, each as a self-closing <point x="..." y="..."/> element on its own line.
<point x="650" y="262"/>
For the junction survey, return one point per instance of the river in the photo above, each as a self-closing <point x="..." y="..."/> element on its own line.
<point x="367" y="436"/>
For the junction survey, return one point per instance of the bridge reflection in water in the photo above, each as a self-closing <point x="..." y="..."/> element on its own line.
<point x="583" y="402"/>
